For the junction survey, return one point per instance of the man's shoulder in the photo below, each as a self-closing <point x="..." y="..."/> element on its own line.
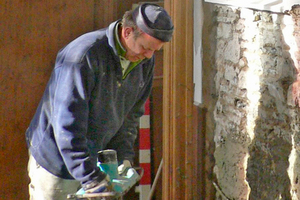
<point x="77" y="49"/>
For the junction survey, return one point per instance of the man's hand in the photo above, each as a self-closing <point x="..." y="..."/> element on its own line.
<point x="122" y="169"/>
<point x="103" y="186"/>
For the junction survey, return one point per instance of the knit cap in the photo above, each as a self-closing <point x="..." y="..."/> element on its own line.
<point x="154" y="20"/>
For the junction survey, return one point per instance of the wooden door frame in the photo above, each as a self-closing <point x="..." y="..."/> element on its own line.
<point x="179" y="144"/>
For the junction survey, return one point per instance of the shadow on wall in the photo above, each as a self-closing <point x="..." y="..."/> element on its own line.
<point x="267" y="171"/>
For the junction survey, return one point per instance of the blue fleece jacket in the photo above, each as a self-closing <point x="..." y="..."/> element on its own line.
<point x="88" y="107"/>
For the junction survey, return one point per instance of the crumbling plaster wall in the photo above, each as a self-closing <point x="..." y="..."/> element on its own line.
<point x="256" y="123"/>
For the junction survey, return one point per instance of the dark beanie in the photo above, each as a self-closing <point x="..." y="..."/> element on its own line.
<point x="154" y="20"/>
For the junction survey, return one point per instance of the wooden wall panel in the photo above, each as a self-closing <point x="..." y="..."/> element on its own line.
<point x="156" y="122"/>
<point x="106" y="11"/>
<point x="31" y="34"/>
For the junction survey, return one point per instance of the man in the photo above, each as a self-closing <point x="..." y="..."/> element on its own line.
<point x="93" y="101"/>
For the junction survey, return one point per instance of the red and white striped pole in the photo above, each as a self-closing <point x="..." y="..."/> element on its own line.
<point x="145" y="153"/>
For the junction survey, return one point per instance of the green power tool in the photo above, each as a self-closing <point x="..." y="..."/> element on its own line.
<point x="108" y="163"/>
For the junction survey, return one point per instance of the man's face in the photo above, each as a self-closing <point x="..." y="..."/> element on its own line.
<point x="141" y="47"/>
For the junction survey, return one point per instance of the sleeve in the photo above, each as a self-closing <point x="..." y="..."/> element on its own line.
<point x="123" y="141"/>
<point x="75" y="82"/>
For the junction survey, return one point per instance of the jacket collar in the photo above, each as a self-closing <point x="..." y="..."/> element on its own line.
<point x="110" y="35"/>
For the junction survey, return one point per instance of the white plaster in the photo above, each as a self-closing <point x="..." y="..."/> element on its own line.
<point x="198" y="24"/>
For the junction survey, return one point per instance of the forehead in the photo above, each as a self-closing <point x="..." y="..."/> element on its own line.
<point x="150" y="42"/>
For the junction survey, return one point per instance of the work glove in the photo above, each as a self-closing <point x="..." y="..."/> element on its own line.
<point x="98" y="187"/>
<point x="123" y="168"/>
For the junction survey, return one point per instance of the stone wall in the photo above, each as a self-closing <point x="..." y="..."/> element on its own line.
<point x="256" y="122"/>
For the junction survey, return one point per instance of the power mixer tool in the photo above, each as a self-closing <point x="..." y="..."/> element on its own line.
<point x="121" y="183"/>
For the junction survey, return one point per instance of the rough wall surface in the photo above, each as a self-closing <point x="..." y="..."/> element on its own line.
<point x="256" y="131"/>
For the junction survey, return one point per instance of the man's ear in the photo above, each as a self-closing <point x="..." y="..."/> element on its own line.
<point x="127" y="32"/>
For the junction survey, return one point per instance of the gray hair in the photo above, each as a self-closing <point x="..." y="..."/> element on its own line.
<point x="128" y="21"/>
